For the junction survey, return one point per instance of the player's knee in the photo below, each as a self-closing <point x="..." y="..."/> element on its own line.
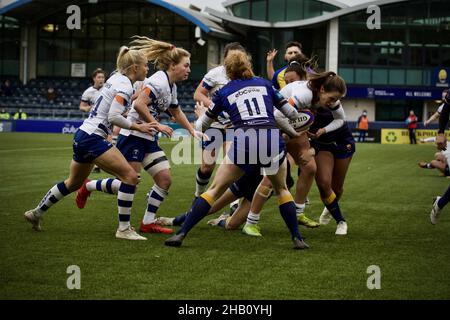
<point x="164" y="182"/>
<point x="324" y="186"/>
<point x="309" y="169"/>
<point x="131" y="177"/>
<point x="207" y="168"/>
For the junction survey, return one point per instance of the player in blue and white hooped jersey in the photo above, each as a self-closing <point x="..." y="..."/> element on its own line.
<point x="250" y="103"/>
<point x="158" y="95"/>
<point x="91" y="147"/>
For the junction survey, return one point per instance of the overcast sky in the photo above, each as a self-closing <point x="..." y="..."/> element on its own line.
<point x="216" y="4"/>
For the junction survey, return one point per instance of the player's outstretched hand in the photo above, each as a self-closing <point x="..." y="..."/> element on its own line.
<point x="271" y="54"/>
<point x="198" y="135"/>
<point x="316" y="135"/>
<point x="200" y="109"/>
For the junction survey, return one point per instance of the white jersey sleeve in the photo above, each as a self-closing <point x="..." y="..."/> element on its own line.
<point x="298" y="94"/>
<point x="90" y="95"/>
<point x="117" y="87"/>
<point x="339" y="117"/>
<point x="213" y="81"/>
<point x="163" y="96"/>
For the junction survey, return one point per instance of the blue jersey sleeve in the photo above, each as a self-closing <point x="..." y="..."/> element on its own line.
<point x="278" y="99"/>
<point x="217" y="105"/>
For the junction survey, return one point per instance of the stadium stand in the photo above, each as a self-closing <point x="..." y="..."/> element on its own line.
<point x="31" y="98"/>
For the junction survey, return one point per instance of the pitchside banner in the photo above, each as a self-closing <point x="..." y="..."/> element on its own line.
<point x="373" y="135"/>
<point x="48" y="126"/>
<point x="401" y="136"/>
<point x="6" y="126"/>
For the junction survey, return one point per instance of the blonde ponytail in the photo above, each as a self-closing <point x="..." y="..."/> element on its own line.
<point x="127" y="57"/>
<point x="161" y="53"/>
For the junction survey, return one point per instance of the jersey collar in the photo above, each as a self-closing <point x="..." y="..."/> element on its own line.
<point x="168" y="80"/>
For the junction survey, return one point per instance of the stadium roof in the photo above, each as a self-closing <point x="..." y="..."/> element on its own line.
<point x="34" y="10"/>
<point x="344" y="9"/>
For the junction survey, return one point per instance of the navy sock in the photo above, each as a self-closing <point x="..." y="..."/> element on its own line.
<point x="289" y="215"/>
<point x="333" y="206"/>
<point x="444" y="199"/>
<point x="199" y="210"/>
<point x="179" y="220"/>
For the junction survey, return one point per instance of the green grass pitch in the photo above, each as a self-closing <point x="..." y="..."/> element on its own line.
<point x="386" y="202"/>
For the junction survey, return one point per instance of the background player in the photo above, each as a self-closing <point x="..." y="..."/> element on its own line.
<point x="91" y="94"/>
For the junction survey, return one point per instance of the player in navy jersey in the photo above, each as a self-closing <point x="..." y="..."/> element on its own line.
<point x="91" y="147"/>
<point x="257" y="143"/>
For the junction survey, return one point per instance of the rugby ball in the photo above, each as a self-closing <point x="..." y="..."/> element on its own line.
<point x="304" y="120"/>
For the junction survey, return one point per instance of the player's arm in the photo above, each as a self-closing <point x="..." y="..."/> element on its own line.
<point x="211" y="114"/>
<point x="338" y="118"/>
<point x="181" y="119"/>
<point x="431" y="119"/>
<point x="202" y="93"/>
<point x="84" y="106"/>
<point x="441" y="139"/>
<point x="284" y="125"/>
<point x="270" y="70"/>
<point x="144" y="98"/>
<point x="142" y="101"/>
<point x="288" y="108"/>
<point x="115" y="116"/>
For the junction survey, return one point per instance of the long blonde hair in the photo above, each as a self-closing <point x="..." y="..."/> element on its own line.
<point x="128" y="57"/>
<point x="238" y="65"/>
<point x="161" y="53"/>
